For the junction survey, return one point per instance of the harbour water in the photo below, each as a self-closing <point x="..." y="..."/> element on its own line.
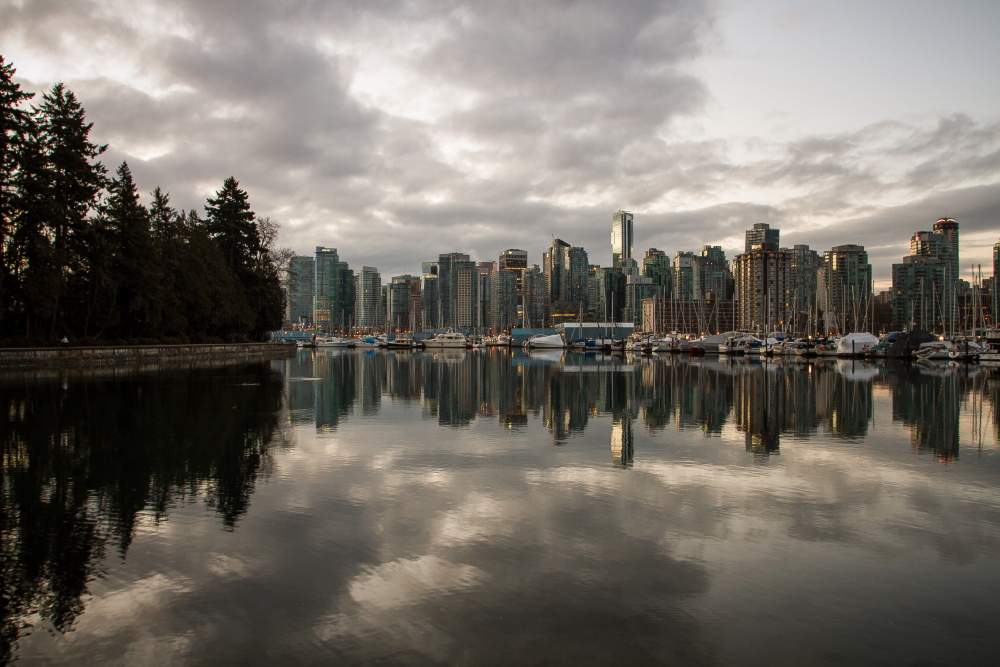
<point x="494" y="507"/>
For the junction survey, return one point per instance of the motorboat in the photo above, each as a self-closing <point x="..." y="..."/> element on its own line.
<point x="365" y="341"/>
<point x="333" y="341"/>
<point x="403" y="342"/>
<point x="795" y="348"/>
<point x="449" y="339"/>
<point x="826" y="347"/>
<point x="547" y="341"/>
<point x="991" y="348"/>
<point x="743" y="344"/>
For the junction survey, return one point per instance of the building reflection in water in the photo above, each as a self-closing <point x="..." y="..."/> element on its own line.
<point x="765" y="400"/>
<point x="622" y="443"/>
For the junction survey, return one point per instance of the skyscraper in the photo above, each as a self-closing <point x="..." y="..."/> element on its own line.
<point x="761" y="233"/>
<point x="321" y="282"/>
<point x="517" y="261"/>
<point x="948" y="228"/>
<point x="621" y="237"/>
<point x="844" y="287"/>
<point x="369" y="298"/>
<point x="923" y="285"/>
<point x="301" y="289"/>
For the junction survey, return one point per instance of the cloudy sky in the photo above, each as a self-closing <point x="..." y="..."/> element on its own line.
<point x="395" y="130"/>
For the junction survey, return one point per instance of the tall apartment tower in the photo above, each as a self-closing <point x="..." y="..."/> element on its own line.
<point x="369" y="298"/>
<point x="621" y="237"/>
<point x="844" y="287"/>
<point x="948" y="228"/>
<point x="321" y="302"/>
<point x="301" y="289"/>
<point x="923" y="285"/>
<point x="763" y="281"/>
<point x="761" y="233"/>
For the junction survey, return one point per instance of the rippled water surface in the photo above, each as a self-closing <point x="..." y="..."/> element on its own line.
<point x="497" y="508"/>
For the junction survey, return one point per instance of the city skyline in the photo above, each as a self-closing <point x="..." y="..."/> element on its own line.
<point x="382" y="129"/>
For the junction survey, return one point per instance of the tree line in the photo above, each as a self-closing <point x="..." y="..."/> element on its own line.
<point x="82" y="257"/>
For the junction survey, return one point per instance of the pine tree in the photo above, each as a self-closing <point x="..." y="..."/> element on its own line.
<point x="14" y="123"/>
<point x="76" y="182"/>
<point x="134" y="262"/>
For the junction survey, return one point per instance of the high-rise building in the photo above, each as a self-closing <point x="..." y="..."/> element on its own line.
<point x="565" y="269"/>
<point x="656" y="266"/>
<point x="621" y="237"/>
<point x="534" y="297"/>
<point x="448" y="267"/>
<point x="683" y="279"/>
<point x="517" y="261"/>
<point x="804" y="285"/>
<point x="763" y="282"/>
<point x="948" y="228"/>
<point x="610" y="294"/>
<point x="342" y="296"/>
<point x="301" y="289"/>
<point x="321" y="282"/>
<point x="760" y="233"/>
<point x="926" y="290"/>
<point x="710" y="274"/>
<point x="399" y="307"/>
<point x="637" y="289"/>
<point x="503" y="298"/>
<point x="995" y="283"/>
<point x="429" y="302"/>
<point x="844" y="288"/>
<point x="465" y="290"/>
<point x="368" y="305"/>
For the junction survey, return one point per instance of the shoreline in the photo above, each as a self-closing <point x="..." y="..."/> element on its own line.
<point x="141" y="356"/>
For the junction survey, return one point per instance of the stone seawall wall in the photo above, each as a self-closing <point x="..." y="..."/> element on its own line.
<point x="142" y="355"/>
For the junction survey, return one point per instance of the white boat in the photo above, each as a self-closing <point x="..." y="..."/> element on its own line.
<point x="365" y="341"/>
<point x="991" y="350"/>
<point x="334" y="341"/>
<point x="403" y="342"/>
<point x="449" y="339"/>
<point x="827" y="348"/>
<point x="552" y="341"/>
<point x="853" y="344"/>
<point x="741" y="345"/>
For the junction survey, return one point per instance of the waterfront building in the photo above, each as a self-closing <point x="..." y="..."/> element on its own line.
<point x="503" y="308"/>
<point x="449" y="266"/>
<point x="762" y="280"/>
<point x="638" y="289"/>
<point x="697" y="317"/>
<point x="948" y="228"/>
<point x="995" y="311"/>
<point x="368" y="304"/>
<point x="804" y="283"/>
<point x="301" y="289"/>
<point x="925" y="284"/>
<point x="400" y="313"/>
<point x="342" y="296"/>
<point x="565" y="269"/>
<point x="761" y="233"/>
<point x="657" y="267"/>
<point x="683" y="278"/>
<point x="621" y="237"/>
<point x="321" y="286"/>
<point x="610" y="294"/>
<point x="844" y="284"/>
<point x="429" y="302"/>
<point x="515" y="260"/>
<point x="534" y="297"/>
<point x="710" y="274"/>
<point x="465" y="292"/>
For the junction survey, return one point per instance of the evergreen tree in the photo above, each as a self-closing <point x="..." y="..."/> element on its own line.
<point x="76" y="182"/>
<point x="133" y="267"/>
<point x="14" y="122"/>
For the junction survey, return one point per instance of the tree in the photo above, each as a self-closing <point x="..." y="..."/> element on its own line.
<point x="134" y="262"/>
<point x="75" y="183"/>
<point x="14" y="123"/>
<point x="234" y="227"/>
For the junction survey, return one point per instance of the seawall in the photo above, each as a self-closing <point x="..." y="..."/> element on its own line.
<point x="141" y="356"/>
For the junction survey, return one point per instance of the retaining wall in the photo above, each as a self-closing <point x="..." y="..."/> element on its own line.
<point x="142" y="355"/>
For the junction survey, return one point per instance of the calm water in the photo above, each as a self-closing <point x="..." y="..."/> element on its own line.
<point x="495" y="508"/>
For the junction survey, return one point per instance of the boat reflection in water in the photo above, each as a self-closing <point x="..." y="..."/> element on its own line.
<point x="446" y="506"/>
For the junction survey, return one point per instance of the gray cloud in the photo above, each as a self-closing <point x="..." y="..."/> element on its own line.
<point x="396" y="131"/>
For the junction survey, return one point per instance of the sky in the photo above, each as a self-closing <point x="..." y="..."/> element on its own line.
<point x="396" y="130"/>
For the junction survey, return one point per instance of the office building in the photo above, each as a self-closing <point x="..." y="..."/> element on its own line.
<point x="621" y="237"/>
<point x="368" y="304"/>
<point x="301" y="289"/>
<point x="657" y="267"/>
<point x="710" y="274"/>
<point x="761" y="233"/>
<point x="503" y="302"/>
<point x="400" y="313"/>
<point x="342" y="296"/>
<point x="683" y="278"/>
<point x="321" y="283"/>
<point x="534" y="297"/>
<point x="844" y="289"/>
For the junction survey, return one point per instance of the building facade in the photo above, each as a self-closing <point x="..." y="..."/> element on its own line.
<point x="301" y="289"/>
<point x="844" y="285"/>
<point x="621" y="237"/>
<point x="368" y="303"/>
<point x="321" y="281"/>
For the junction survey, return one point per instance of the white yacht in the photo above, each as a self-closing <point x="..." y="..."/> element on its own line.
<point x="449" y="339"/>
<point x="334" y="341"/>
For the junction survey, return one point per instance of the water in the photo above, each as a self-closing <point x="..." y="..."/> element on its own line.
<point x="494" y="508"/>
